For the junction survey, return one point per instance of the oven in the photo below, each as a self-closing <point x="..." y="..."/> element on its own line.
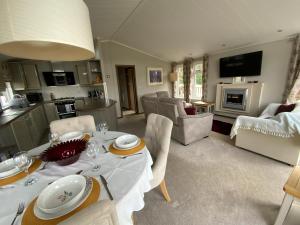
<point x="65" y="108"/>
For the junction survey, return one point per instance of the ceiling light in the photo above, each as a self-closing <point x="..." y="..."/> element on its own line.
<point x="279" y="30"/>
<point x="46" y="30"/>
<point x="223" y="45"/>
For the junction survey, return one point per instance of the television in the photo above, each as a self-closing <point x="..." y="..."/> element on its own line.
<point x="241" y="65"/>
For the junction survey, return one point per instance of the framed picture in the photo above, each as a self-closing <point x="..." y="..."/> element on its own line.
<point x="154" y="76"/>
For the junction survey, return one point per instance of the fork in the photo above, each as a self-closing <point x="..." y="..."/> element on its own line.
<point x="19" y="212"/>
<point x="105" y="149"/>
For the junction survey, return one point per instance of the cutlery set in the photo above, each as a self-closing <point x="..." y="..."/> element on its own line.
<point x="19" y="211"/>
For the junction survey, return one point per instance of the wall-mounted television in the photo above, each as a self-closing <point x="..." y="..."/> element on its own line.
<point x="241" y="65"/>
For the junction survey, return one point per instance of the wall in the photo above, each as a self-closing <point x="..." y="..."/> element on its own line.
<point x="275" y="62"/>
<point x="113" y="54"/>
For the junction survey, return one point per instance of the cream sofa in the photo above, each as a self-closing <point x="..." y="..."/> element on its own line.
<point x="187" y="128"/>
<point x="283" y="149"/>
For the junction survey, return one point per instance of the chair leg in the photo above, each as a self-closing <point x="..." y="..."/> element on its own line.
<point x="164" y="191"/>
<point x="284" y="209"/>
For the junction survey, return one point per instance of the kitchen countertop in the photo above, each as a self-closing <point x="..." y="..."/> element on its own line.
<point x="9" y="115"/>
<point x="89" y="104"/>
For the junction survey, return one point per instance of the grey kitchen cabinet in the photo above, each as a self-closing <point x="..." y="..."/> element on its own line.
<point x="51" y="112"/>
<point x="83" y="74"/>
<point x="7" y="140"/>
<point x="22" y="130"/>
<point x="31" y="77"/>
<point x="17" y="74"/>
<point x="39" y="124"/>
<point x="4" y="71"/>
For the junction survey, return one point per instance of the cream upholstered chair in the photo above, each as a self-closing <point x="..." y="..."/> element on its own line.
<point x="80" y="123"/>
<point x="157" y="139"/>
<point x="100" y="213"/>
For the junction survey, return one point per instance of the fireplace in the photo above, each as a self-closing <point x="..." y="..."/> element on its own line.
<point x="235" y="98"/>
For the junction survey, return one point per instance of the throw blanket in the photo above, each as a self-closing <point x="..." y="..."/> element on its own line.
<point x="284" y="125"/>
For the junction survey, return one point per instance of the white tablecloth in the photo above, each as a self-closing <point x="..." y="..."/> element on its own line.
<point x="128" y="179"/>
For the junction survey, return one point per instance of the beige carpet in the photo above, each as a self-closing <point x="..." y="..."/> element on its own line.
<point x="212" y="182"/>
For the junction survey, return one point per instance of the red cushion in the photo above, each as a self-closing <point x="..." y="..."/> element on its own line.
<point x="285" y="108"/>
<point x="190" y="110"/>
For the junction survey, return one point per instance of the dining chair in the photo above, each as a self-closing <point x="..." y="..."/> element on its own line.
<point x="100" y="213"/>
<point x="157" y="139"/>
<point x="79" y="123"/>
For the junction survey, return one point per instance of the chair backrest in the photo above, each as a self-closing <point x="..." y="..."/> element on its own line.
<point x="162" y="94"/>
<point x="80" y="123"/>
<point x="100" y="213"/>
<point x="157" y="139"/>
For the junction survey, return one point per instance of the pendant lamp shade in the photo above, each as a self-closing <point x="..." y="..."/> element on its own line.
<point x="56" y="30"/>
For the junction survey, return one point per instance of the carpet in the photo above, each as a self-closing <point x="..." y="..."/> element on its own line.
<point x="212" y="182"/>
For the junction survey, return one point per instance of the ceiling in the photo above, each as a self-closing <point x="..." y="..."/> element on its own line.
<point x="174" y="29"/>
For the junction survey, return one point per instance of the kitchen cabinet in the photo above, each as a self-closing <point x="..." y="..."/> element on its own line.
<point x="4" y="71"/>
<point x="51" y="112"/>
<point x="8" y="144"/>
<point x="83" y="74"/>
<point x="30" y="128"/>
<point x="17" y="74"/>
<point x="23" y="132"/>
<point x="24" y="76"/>
<point x="40" y="123"/>
<point x="31" y="77"/>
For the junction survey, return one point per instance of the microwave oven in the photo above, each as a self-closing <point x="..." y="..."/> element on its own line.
<point x="59" y="78"/>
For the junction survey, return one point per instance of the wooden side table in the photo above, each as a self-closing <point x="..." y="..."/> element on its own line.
<point x="207" y="106"/>
<point x="292" y="191"/>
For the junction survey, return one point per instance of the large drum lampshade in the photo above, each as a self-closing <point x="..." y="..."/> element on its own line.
<point x="56" y="30"/>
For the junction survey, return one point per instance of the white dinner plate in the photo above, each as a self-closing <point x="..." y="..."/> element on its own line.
<point x="126" y="141"/>
<point x="125" y="149"/>
<point x="74" y="135"/>
<point x="8" y="168"/>
<point x="61" y="194"/>
<point x="48" y="216"/>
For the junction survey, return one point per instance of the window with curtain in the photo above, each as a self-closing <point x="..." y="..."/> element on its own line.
<point x="179" y="85"/>
<point x="6" y="95"/>
<point x="196" y="81"/>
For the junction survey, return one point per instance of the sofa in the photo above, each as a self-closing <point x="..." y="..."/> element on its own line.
<point x="258" y="135"/>
<point x="187" y="128"/>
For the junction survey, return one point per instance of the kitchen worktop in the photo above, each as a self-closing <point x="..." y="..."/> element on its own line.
<point x="9" y="115"/>
<point x="88" y="104"/>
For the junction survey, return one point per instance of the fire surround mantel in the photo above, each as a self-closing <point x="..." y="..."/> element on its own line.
<point x="238" y="99"/>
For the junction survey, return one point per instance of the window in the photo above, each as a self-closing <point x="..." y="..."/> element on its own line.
<point x="179" y="84"/>
<point x="6" y="96"/>
<point x="196" y="81"/>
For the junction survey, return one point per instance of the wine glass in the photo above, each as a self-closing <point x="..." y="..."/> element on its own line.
<point x="23" y="161"/>
<point x="53" y="138"/>
<point x="92" y="152"/>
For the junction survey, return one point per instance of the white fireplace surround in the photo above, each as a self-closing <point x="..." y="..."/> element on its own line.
<point x="238" y="99"/>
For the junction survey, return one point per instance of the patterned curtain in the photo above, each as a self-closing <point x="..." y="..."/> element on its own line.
<point x="293" y="73"/>
<point x="187" y="66"/>
<point x="173" y="68"/>
<point x="204" y="78"/>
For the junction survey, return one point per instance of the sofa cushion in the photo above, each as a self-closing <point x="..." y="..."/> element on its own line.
<point x="162" y="94"/>
<point x="190" y="110"/>
<point x="176" y="101"/>
<point x="285" y="108"/>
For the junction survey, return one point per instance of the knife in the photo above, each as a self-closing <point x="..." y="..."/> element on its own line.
<point x="104" y="182"/>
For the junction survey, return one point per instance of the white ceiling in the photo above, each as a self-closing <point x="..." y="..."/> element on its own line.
<point x="174" y="29"/>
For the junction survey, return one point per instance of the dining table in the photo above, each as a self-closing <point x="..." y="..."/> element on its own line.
<point x="128" y="179"/>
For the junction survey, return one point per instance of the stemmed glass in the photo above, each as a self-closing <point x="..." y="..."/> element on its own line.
<point x="23" y="162"/>
<point x="92" y="152"/>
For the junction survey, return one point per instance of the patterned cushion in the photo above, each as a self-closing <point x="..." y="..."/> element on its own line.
<point x="190" y="110"/>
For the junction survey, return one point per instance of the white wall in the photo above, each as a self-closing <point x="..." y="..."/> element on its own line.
<point x="275" y="62"/>
<point x="113" y="54"/>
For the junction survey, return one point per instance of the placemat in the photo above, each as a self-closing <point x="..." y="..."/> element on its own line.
<point x="9" y="180"/>
<point x="30" y="219"/>
<point x="129" y="151"/>
<point x="86" y="137"/>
